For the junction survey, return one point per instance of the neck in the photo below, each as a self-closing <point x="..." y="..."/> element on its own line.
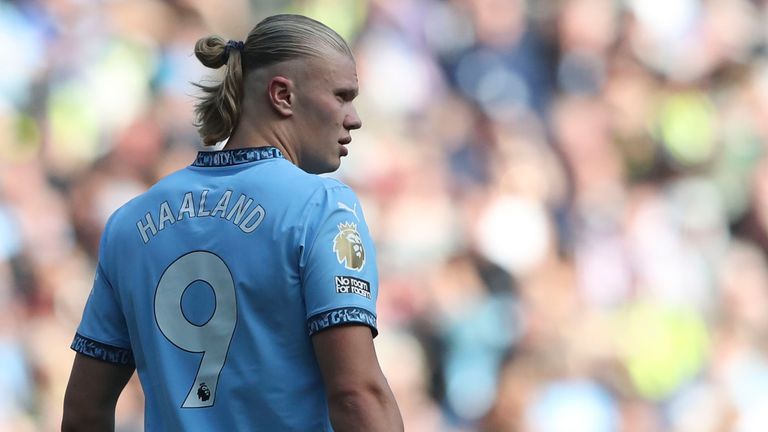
<point x="249" y="135"/>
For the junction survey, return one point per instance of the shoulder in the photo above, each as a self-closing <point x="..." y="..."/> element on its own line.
<point x="311" y="187"/>
<point x="333" y="184"/>
<point x="317" y="198"/>
<point x="331" y="194"/>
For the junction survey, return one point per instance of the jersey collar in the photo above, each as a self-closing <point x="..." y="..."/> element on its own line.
<point x="223" y="158"/>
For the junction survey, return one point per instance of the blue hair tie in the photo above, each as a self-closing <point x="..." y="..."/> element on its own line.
<point x="238" y="45"/>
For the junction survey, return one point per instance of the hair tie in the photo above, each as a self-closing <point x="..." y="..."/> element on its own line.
<point x="238" y="45"/>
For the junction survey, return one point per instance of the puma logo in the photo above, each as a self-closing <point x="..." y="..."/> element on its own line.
<point x="347" y="208"/>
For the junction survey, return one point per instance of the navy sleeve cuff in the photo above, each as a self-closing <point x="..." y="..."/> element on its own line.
<point x="102" y="351"/>
<point x="342" y="316"/>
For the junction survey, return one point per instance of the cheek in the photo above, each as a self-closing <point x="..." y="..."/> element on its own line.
<point x="323" y="117"/>
<point x="330" y="111"/>
<point x="336" y="115"/>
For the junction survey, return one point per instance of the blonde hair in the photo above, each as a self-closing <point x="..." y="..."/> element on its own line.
<point x="275" y="39"/>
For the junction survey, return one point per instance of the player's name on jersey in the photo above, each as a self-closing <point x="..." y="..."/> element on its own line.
<point x="195" y="205"/>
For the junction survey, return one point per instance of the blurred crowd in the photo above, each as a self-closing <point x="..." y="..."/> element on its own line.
<point x="569" y="197"/>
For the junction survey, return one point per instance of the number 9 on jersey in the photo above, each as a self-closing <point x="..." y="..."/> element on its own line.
<point x="212" y="338"/>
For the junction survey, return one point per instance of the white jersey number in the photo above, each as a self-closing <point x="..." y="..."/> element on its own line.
<point x="212" y="338"/>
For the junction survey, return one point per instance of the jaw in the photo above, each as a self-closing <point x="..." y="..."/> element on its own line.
<point x="323" y="167"/>
<point x="314" y="154"/>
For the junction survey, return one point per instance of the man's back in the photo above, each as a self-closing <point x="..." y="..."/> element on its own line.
<point x="214" y="281"/>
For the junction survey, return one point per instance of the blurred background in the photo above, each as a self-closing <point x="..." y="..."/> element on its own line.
<point x="569" y="197"/>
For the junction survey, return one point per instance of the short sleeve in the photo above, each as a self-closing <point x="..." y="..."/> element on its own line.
<point x="339" y="277"/>
<point x="103" y="333"/>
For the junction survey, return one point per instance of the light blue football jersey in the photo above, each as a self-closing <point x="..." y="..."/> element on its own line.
<point x="212" y="283"/>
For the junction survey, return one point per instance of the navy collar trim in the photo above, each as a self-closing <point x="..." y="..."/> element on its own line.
<point x="224" y="158"/>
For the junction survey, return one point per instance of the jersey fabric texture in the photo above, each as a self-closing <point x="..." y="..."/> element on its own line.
<point x="212" y="283"/>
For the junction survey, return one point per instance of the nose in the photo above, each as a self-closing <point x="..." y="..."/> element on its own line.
<point x="352" y="121"/>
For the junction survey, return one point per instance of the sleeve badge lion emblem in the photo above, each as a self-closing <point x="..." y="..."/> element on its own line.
<point x="348" y="246"/>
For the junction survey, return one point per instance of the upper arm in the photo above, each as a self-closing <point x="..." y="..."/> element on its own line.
<point x="340" y="286"/>
<point x="93" y="389"/>
<point x="347" y="359"/>
<point x="104" y="361"/>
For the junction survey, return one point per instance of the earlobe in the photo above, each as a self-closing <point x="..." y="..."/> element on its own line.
<point x="280" y="92"/>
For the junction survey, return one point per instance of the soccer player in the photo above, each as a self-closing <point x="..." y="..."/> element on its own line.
<point x="242" y="288"/>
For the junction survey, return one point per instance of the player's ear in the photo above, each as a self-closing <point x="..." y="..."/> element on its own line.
<point x="280" y="93"/>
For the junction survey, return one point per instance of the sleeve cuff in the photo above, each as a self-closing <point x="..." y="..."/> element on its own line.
<point x="342" y="316"/>
<point x="102" y="351"/>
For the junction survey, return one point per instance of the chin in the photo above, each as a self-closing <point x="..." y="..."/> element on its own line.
<point x="323" y="167"/>
<point x="333" y="166"/>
